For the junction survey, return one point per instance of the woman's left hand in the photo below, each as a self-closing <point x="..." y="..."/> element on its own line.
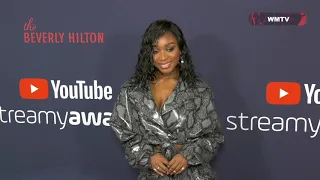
<point x="177" y="164"/>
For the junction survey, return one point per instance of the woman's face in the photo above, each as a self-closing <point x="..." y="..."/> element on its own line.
<point x="166" y="53"/>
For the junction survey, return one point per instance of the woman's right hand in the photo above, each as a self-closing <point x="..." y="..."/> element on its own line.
<point x="159" y="164"/>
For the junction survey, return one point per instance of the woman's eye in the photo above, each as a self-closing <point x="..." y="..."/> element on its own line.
<point x="170" y="49"/>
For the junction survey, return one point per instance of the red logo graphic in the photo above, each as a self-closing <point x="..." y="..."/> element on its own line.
<point x="283" y="93"/>
<point x="261" y="18"/>
<point x="34" y="88"/>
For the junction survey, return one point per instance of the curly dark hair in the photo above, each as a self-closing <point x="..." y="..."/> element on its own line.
<point x="145" y="70"/>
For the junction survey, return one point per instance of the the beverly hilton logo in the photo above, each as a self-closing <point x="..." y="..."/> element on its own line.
<point x="31" y="35"/>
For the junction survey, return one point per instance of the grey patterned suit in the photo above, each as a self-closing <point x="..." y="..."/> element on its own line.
<point x="187" y="117"/>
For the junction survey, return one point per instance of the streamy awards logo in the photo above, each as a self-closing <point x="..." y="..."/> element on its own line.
<point x="281" y="93"/>
<point x="40" y="88"/>
<point x="34" y="36"/>
<point x="278" y="19"/>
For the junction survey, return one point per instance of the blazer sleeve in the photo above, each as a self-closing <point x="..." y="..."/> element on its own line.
<point x="206" y="134"/>
<point x="137" y="149"/>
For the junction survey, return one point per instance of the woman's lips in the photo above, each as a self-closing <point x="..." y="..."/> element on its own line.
<point x="166" y="65"/>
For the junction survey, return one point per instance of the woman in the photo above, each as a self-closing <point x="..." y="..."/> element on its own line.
<point x="164" y="115"/>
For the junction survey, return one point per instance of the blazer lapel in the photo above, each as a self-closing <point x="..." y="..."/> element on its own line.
<point x="146" y="106"/>
<point x="180" y="95"/>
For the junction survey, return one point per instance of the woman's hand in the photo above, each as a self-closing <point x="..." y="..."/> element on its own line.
<point x="159" y="164"/>
<point x="177" y="165"/>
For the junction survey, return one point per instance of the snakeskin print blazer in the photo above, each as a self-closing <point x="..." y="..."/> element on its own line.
<point x="187" y="117"/>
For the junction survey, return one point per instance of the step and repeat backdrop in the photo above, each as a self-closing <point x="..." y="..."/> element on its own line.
<point x="63" y="62"/>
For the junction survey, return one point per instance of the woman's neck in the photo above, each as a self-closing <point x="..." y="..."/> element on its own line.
<point x="173" y="75"/>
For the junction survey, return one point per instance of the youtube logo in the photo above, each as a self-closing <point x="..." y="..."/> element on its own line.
<point x="283" y="93"/>
<point x="34" y="88"/>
